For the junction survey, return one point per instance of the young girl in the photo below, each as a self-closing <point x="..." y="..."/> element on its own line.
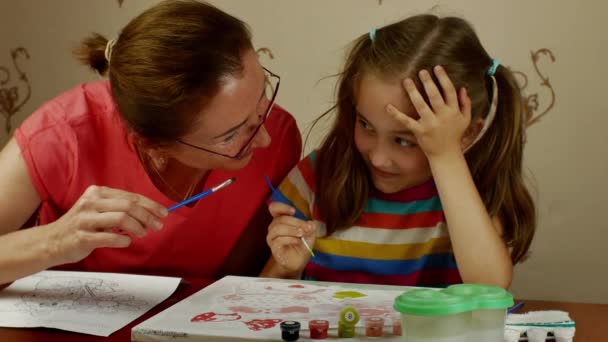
<point x="419" y="181"/>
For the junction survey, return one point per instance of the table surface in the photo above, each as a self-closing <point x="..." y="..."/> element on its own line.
<point x="589" y="320"/>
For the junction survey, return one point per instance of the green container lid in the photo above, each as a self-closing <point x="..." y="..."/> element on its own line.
<point x="426" y="302"/>
<point x="486" y="297"/>
<point x="452" y="300"/>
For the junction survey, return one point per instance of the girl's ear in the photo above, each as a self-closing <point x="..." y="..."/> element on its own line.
<point x="471" y="133"/>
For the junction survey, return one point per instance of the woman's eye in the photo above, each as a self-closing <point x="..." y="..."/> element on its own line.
<point x="230" y="137"/>
<point x="404" y="143"/>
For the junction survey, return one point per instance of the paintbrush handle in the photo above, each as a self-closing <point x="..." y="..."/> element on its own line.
<point x="190" y="200"/>
<point x="201" y="195"/>
<point x="278" y="196"/>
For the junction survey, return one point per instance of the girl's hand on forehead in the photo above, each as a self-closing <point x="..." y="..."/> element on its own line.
<point x="441" y="126"/>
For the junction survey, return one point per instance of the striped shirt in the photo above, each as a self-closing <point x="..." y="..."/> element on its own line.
<point x="399" y="239"/>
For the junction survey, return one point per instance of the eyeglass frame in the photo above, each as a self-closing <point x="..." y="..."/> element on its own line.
<point x="239" y="154"/>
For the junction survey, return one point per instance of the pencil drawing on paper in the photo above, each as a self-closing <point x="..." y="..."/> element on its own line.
<point x="53" y="294"/>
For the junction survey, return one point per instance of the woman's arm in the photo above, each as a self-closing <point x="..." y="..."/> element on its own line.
<point x="86" y="226"/>
<point x="21" y="252"/>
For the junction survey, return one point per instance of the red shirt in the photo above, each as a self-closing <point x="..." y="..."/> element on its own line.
<point x="78" y="139"/>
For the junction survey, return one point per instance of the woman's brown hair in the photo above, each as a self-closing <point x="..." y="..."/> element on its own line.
<point x="398" y="51"/>
<point x="167" y="62"/>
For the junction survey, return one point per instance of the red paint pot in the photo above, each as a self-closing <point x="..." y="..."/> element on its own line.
<point x="374" y="326"/>
<point x="318" y="329"/>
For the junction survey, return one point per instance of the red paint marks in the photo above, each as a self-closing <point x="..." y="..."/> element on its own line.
<point x="296" y="286"/>
<point x="233" y="297"/>
<point x="262" y="324"/>
<point x="213" y="317"/>
<point x="244" y="309"/>
<point x="294" y="309"/>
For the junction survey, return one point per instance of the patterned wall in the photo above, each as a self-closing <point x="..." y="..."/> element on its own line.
<point x="15" y="89"/>
<point x="553" y="49"/>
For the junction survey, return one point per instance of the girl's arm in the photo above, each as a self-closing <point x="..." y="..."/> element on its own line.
<point x="274" y="270"/>
<point x="481" y="254"/>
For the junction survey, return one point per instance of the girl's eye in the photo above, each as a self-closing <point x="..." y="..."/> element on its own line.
<point x="365" y="125"/>
<point x="404" y="143"/>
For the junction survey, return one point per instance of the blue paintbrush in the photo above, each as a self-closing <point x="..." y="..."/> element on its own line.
<point x="202" y="194"/>
<point x="278" y="196"/>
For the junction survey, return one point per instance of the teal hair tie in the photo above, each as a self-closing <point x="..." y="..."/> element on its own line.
<point x="372" y="34"/>
<point x="493" y="67"/>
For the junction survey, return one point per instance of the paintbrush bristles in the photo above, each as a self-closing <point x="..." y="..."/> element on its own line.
<point x="226" y="183"/>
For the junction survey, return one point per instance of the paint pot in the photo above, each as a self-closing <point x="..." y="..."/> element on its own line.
<point x="397" y="326"/>
<point x="318" y="329"/>
<point x="374" y="326"/>
<point x="290" y="331"/>
<point x="346" y="330"/>
<point x="349" y="317"/>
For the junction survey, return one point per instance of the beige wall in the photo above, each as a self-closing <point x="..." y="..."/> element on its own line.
<point x="564" y="152"/>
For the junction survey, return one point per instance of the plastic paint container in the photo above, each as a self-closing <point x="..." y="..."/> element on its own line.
<point x="459" y="313"/>
<point x="488" y="318"/>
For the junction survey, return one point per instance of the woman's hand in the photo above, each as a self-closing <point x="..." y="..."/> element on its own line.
<point x="284" y="239"/>
<point x="91" y="223"/>
<point x="441" y="127"/>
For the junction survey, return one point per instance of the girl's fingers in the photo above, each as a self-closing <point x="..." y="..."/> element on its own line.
<point x="291" y="221"/>
<point x="422" y="108"/>
<point x="283" y="242"/>
<point x="407" y="122"/>
<point x="435" y="97"/>
<point x="449" y="92"/>
<point x="282" y="229"/>
<point x="279" y="209"/>
<point x="290" y="252"/>
<point x="465" y="103"/>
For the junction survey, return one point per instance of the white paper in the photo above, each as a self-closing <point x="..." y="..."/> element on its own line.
<point x="85" y="302"/>
<point x="243" y="309"/>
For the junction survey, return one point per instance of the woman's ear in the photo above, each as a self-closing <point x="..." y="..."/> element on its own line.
<point x="157" y="154"/>
<point x="471" y="133"/>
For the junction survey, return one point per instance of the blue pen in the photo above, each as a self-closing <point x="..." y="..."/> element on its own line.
<point x="202" y="194"/>
<point x="278" y="196"/>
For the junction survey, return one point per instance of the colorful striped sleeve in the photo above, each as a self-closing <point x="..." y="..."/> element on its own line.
<point x="299" y="185"/>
